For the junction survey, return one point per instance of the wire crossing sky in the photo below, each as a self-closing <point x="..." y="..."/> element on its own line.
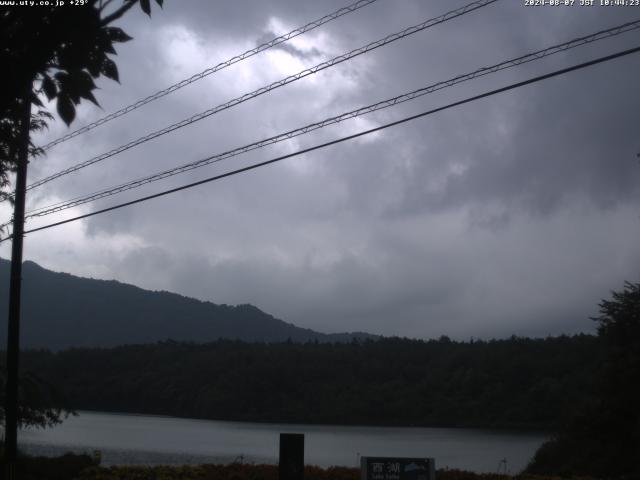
<point x="227" y="63"/>
<point x="450" y="15"/>
<point x="530" y="57"/>
<point x="343" y="139"/>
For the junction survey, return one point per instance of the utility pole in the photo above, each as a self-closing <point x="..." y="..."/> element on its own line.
<point x="13" y="334"/>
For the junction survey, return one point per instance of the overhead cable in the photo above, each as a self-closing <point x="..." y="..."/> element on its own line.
<point x="530" y="57"/>
<point x="227" y="63"/>
<point x="261" y="91"/>
<point x="340" y="140"/>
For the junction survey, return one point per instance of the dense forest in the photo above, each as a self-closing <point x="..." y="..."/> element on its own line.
<point x="518" y="382"/>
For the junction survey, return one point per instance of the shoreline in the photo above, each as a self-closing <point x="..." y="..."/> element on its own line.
<point x="525" y="430"/>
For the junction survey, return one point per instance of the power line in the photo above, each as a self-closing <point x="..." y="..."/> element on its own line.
<point x="261" y="91"/>
<point x="342" y="139"/>
<point x="57" y="207"/>
<point x="227" y="63"/>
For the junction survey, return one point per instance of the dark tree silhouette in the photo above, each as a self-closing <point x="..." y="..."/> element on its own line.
<point x="55" y="52"/>
<point x="604" y="440"/>
<point x="619" y="329"/>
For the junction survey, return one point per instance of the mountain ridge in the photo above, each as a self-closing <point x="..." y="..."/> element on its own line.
<point x="61" y="310"/>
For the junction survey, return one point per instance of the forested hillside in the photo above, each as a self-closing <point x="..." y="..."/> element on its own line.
<point x="519" y="382"/>
<point x="60" y="310"/>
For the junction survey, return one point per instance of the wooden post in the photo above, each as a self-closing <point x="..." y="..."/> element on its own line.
<point x="291" y="463"/>
<point x="13" y="328"/>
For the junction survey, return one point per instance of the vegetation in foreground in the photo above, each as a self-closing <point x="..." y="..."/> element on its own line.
<point x="270" y="472"/>
<point x="603" y="439"/>
<point x="83" y="467"/>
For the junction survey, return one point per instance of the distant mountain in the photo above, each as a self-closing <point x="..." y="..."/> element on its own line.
<point x="60" y="310"/>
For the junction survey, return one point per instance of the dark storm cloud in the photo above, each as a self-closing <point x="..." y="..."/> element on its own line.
<point x="568" y="138"/>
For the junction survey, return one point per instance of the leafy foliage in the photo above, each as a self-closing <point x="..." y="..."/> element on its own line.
<point x="604" y="438"/>
<point x="39" y="402"/>
<point x="504" y="383"/>
<point x="55" y="53"/>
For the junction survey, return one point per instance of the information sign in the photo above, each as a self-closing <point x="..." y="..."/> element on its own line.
<point x="397" y="468"/>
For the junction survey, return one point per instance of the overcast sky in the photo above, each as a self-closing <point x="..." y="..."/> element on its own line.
<point x="515" y="214"/>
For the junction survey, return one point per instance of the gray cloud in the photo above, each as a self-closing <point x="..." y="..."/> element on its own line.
<point x="312" y="54"/>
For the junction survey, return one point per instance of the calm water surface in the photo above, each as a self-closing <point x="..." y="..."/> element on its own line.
<point x="141" y="439"/>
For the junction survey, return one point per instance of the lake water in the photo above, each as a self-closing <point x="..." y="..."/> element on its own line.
<point x="151" y="440"/>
